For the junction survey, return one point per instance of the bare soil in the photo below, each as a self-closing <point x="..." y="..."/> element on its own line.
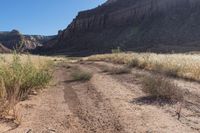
<point x="105" y="104"/>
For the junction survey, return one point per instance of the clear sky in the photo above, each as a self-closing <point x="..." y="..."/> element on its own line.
<point x="44" y="17"/>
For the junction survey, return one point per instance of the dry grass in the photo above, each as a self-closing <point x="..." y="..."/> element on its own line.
<point x="21" y="74"/>
<point x="161" y="87"/>
<point x="80" y="75"/>
<point x="179" y="65"/>
<point x="38" y="61"/>
<point x="116" y="70"/>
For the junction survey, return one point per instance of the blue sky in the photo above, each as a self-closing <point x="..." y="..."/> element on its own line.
<point x="44" y="17"/>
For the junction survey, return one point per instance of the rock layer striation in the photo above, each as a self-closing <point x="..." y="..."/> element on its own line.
<point x="138" y="25"/>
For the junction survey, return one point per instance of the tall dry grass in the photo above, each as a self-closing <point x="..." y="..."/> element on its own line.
<point x="21" y="74"/>
<point x="179" y="65"/>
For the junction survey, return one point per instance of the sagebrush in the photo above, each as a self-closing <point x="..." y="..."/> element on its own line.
<point x="161" y="87"/>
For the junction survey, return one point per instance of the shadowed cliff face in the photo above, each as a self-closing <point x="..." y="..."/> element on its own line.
<point x="139" y="25"/>
<point x="14" y="40"/>
<point x="3" y="49"/>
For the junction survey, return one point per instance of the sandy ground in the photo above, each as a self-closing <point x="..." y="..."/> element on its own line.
<point x="105" y="104"/>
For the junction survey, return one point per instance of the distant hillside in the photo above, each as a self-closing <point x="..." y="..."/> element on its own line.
<point x="138" y="25"/>
<point x="14" y="40"/>
<point x="3" y="49"/>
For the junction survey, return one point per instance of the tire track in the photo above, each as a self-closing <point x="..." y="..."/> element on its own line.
<point x="94" y="113"/>
<point x="134" y="117"/>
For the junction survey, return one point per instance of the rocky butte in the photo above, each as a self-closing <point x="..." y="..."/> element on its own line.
<point x="15" y="40"/>
<point x="132" y="25"/>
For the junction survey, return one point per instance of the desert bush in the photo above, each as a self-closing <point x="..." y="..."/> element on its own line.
<point x="143" y="65"/>
<point x="161" y="87"/>
<point x="80" y="75"/>
<point x="133" y="63"/>
<point x="17" y="79"/>
<point x="172" y="71"/>
<point x="116" y="70"/>
<point x="120" y="70"/>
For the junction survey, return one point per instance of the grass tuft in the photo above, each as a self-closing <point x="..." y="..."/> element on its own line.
<point x="133" y="63"/>
<point x="116" y="70"/>
<point x="80" y="75"/>
<point x="120" y="70"/>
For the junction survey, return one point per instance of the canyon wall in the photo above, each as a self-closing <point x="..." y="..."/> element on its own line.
<point x="138" y="25"/>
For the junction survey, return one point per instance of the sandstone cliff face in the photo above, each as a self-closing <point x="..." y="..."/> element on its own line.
<point x="141" y="25"/>
<point x="14" y="40"/>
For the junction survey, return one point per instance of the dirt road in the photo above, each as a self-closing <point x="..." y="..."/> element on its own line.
<point x="105" y="104"/>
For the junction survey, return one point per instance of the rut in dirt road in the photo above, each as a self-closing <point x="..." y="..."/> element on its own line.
<point x="95" y="114"/>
